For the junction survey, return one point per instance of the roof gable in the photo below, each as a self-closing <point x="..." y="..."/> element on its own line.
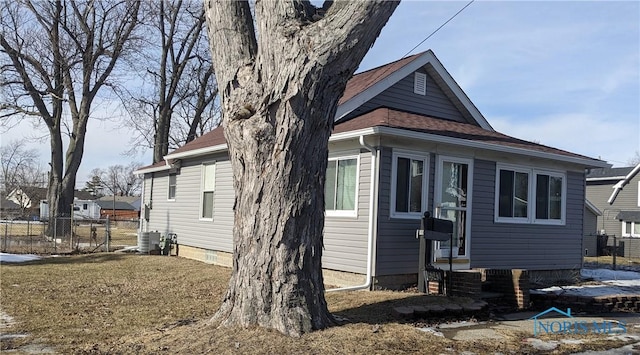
<point x="366" y="85"/>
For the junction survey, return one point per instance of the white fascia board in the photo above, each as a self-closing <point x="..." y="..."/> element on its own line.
<point x="459" y="93"/>
<point x="152" y="169"/>
<point x="351" y="134"/>
<point x="366" y="95"/>
<point x="197" y="152"/>
<point x="488" y="146"/>
<point x="592" y="207"/>
<point x="616" y="178"/>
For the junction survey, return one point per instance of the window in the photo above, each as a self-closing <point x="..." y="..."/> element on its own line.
<point x="514" y="194"/>
<point x="84" y="206"/>
<point x="409" y="185"/>
<point x="629" y="229"/>
<point x="172" y="186"/>
<point x="548" y="197"/>
<point x="340" y="191"/>
<point x="526" y="195"/>
<point x="208" y="189"/>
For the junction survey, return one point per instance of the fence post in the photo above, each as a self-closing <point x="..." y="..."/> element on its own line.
<point x="5" y="237"/>
<point x="615" y="250"/>
<point x="107" y="234"/>
<point x="55" y="234"/>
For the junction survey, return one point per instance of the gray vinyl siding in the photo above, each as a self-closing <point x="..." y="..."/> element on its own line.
<point x="345" y="238"/>
<point x="401" y="96"/>
<point x="182" y="216"/>
<point x="397" y="246"/>
<point x="598" y="192"/>
<point x="526" y="246"/>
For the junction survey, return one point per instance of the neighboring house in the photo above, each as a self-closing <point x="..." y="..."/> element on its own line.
<point x="590" y="228"/>
<point x="84" y="206"/>
<point x="9" y="209"/>
<point x="622" y="218"/>
<point x="28" y="197"/>
<point x="134" y="201"/>
<point x="407" y="140"/>
<point x="120" y="210"/>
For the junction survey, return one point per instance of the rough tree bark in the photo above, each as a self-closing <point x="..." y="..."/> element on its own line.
<point x="280" y="90"/>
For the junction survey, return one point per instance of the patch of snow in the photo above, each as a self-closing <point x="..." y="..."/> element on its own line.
<point x="610" y="275"/>
<point x="613" y="282"/>
<point x="17" y="258"/>
<point x="541" y="344"/>
<point x="431" y="331"/>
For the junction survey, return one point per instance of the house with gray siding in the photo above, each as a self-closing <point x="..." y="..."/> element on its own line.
<point x="406" y="140"/>
<point x="622" y="218"/>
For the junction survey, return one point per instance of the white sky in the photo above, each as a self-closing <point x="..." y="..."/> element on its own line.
<point x="565" y="74"/>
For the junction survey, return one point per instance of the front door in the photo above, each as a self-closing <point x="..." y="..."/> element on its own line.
<point x="453" y="202"/>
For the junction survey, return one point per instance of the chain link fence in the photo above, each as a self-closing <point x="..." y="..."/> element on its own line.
<point x="610" y="251"/>
<point x="66" y="235"/>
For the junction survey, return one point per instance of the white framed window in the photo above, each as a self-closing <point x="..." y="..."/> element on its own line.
<point x="550" y="200"/>
<point x="171" y="195"/>
<point x="409" y="182"/>
<point x="341" y="186"/>
<point x="528" y="195"/>
<point x="207" y="188"/>
<point x="629" y="229"/>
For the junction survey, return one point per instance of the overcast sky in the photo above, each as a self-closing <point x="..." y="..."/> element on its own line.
<point x="565" y="74"/>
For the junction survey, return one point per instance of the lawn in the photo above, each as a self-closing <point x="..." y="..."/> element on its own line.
<point x="121" y="303"/>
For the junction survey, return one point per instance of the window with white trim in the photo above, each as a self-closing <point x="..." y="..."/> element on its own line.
<point x="527" y="195"/>
<point x="409" y="185"/>
<point x="629" y="229"/>
<point x="340" y="190"/>
<point x="207" y="187"/>
<point x="172" y="187"/>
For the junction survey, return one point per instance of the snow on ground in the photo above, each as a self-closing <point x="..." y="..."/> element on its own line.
<point x="17" y="258"/>
<point x="613" y="282"/>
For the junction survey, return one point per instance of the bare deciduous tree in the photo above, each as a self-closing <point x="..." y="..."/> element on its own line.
<point x="56" y="56"/>
<point x="179" y="105"/>
<point x="117" y="180"/>
<point x="280" y="86"/>
<point x="19" y="167"/>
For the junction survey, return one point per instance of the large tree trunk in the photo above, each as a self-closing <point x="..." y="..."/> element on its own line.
<point x="279" y="97"/>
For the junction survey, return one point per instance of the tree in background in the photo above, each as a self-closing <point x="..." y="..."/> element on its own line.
<point x="635" y="160"/>
<point x="19" y="167"/>
<point x="116" y="180"/>
<point x="280" y="81"/>
<point x="55" y="58"/>
<point x="177" y="103"/>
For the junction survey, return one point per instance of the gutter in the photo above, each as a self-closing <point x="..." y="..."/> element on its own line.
<point x="618" y="186"/>
<point x="373" y="210"/>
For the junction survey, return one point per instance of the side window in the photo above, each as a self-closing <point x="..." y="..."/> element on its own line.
<point x="172" y="187"/>
<point x="208" y="187"/>
<point x="528" y="195"/>
<point x="549" y="197"/>
<point x="513" y="194"/>
<point x="341" y="186"/>
<point x="408" y="185"/>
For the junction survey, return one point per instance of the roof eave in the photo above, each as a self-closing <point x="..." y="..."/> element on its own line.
<point x="587" y="162"/>
<point x="197" y="152"/>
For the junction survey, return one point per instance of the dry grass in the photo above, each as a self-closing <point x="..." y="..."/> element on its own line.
<point x="620" y="260"/>
<point x="122" y="304"/>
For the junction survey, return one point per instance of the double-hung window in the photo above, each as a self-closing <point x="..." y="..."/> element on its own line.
<point x="172" y="187"/>
<point x="630" y="229"/>
<point x="340" y="194"/>
<point x="527" y="195"/>
<point x="208" y="187"/>
<point x="409" y="185"/>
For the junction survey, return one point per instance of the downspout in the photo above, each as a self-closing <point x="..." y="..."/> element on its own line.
<point x="373" y="212"/>
<point x="618" y="187"/>
<point x="143" y="208"/>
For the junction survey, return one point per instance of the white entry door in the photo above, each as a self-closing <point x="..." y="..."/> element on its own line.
<point x="453" y="201"/>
